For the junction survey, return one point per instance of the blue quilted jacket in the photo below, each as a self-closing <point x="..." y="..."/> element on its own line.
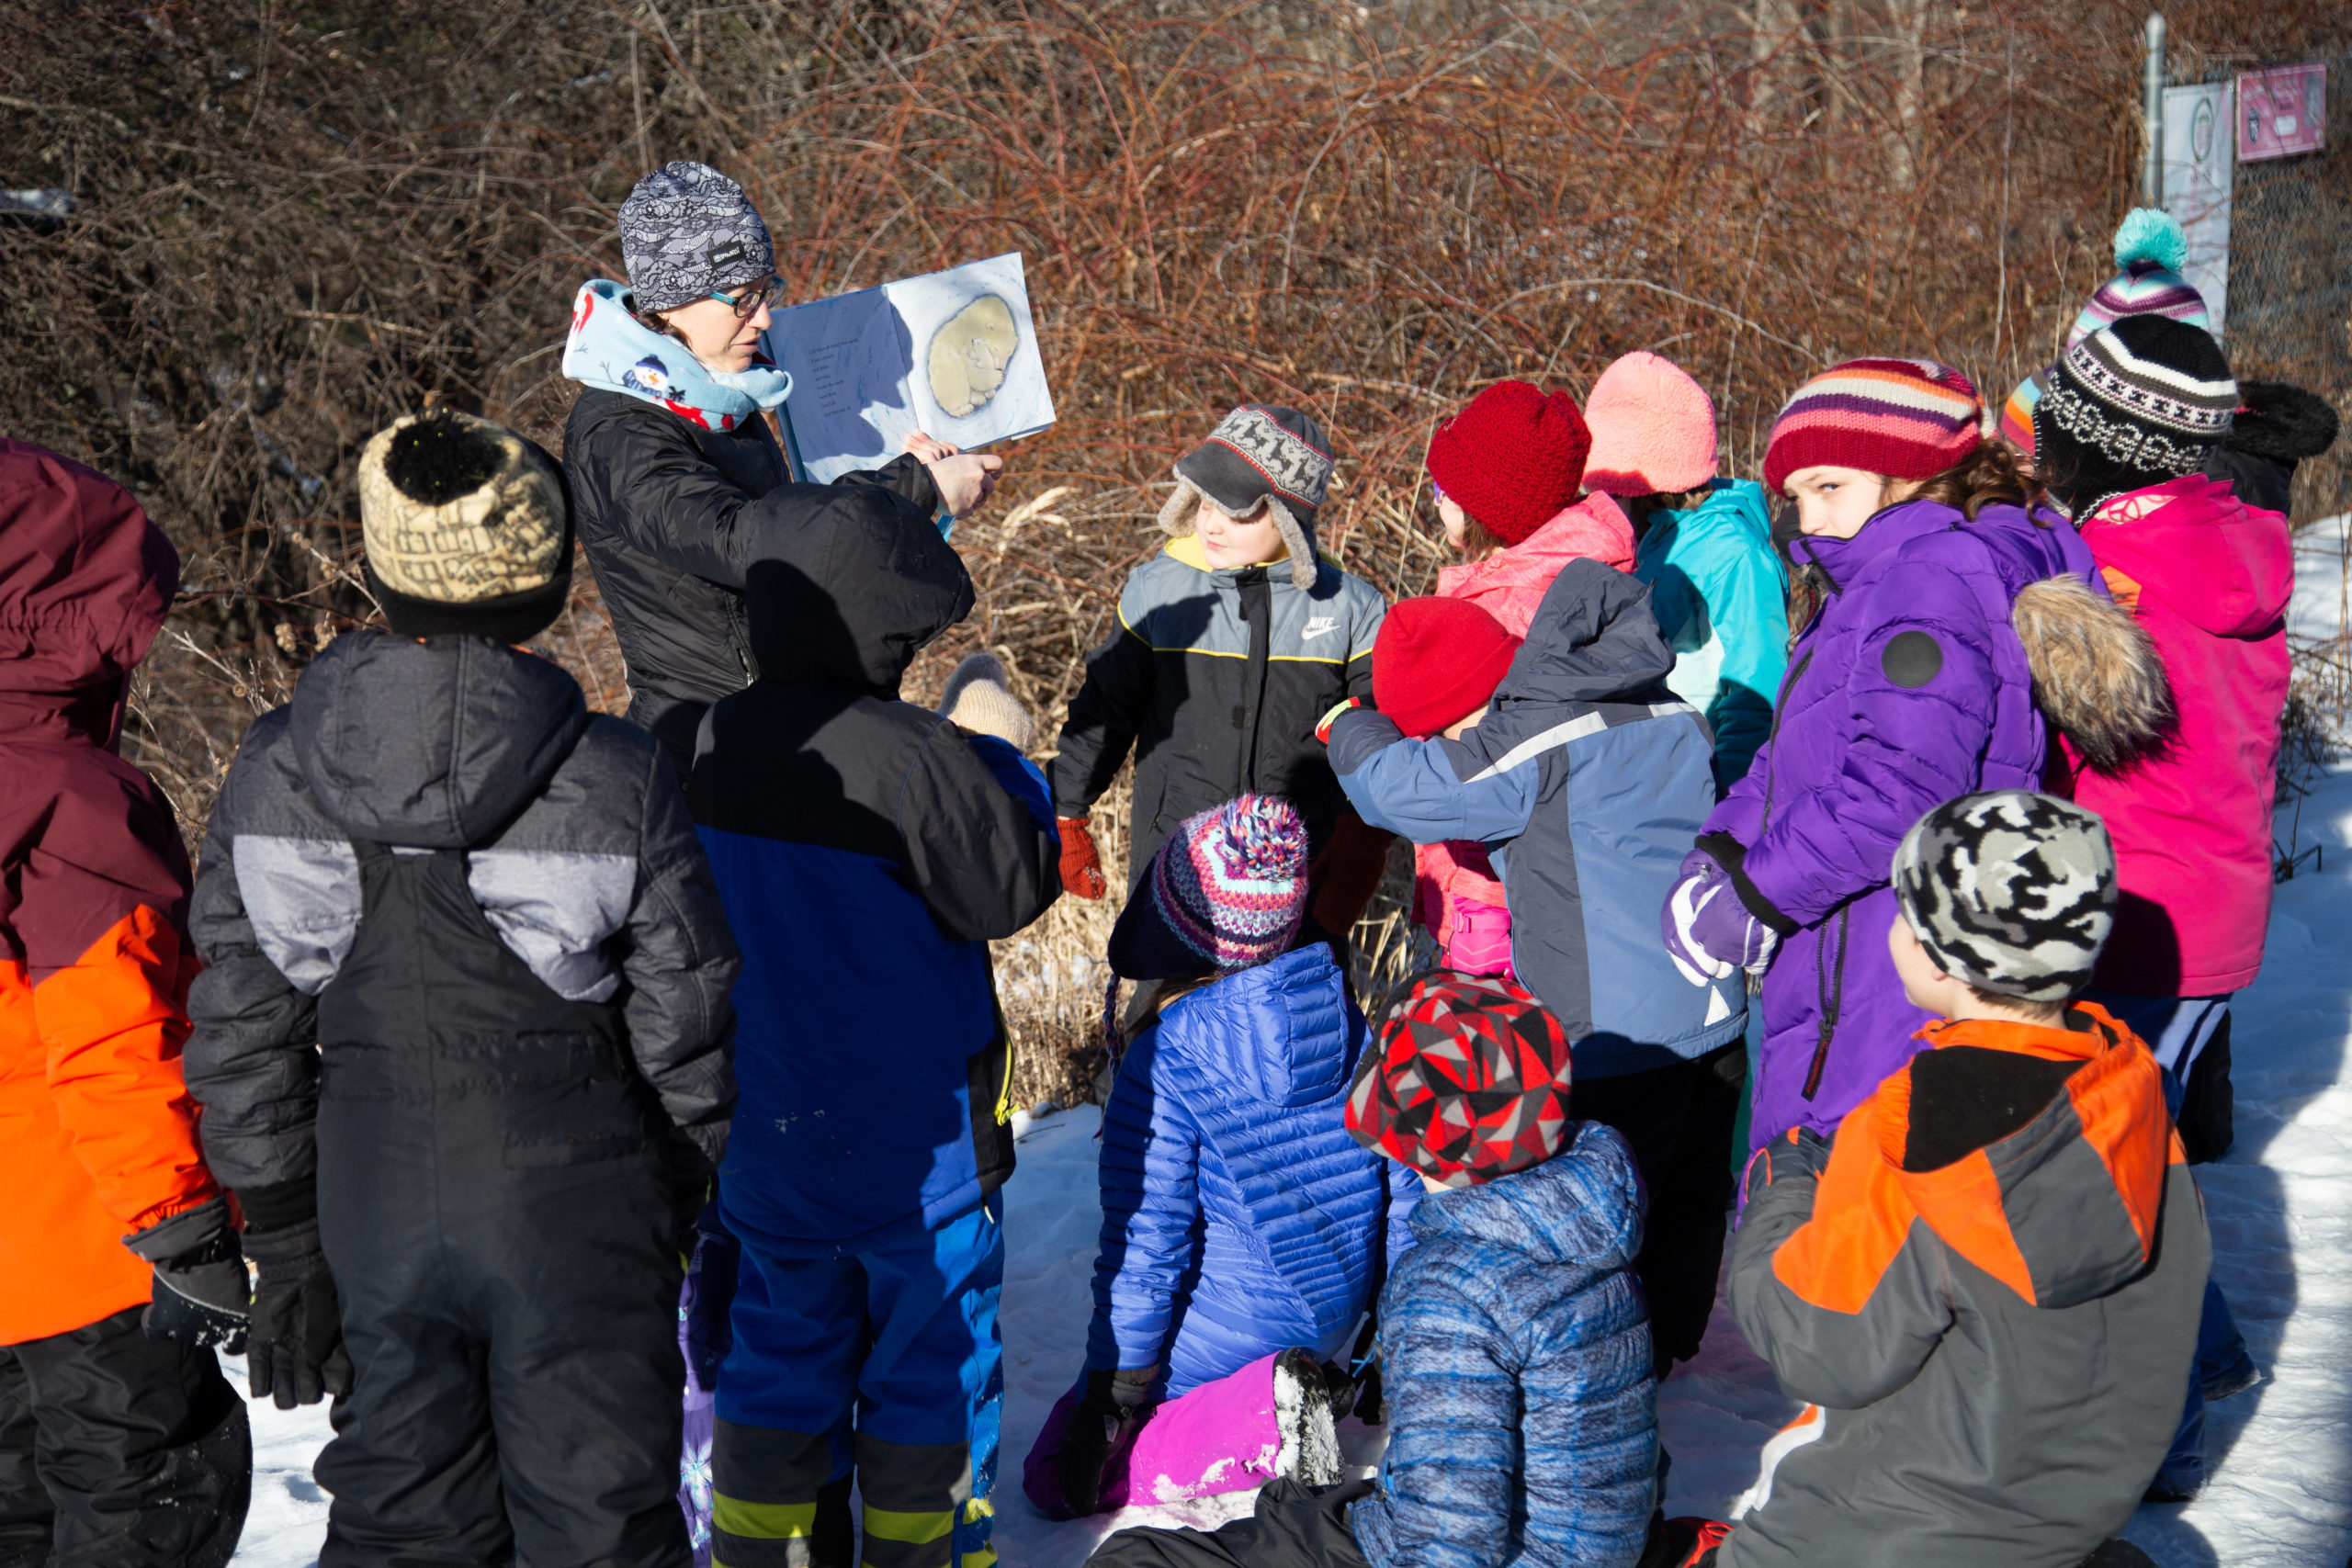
<point x="1238" y="1217"/>
<point x="1522" y="1413"/>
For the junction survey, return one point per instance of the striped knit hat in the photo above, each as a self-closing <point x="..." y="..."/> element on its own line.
<point x="1226" y="891"/>
<point x="1907" y="419"/>
<point x="2151" y="250"/>
<point x="2133" y="405"/>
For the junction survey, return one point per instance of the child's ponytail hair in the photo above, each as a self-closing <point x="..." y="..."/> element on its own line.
<point x="1988" y="476"/>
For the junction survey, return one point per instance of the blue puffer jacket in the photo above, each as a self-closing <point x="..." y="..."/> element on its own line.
<point x="1522" y="1424"/>
<point x="1238" y="1217"/>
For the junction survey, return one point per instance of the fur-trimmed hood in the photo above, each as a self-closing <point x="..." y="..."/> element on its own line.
<point x="2096" y="672"/>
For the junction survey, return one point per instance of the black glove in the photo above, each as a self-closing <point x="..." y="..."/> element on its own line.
<point x="294" y="1351"/>
<point x="1109" y="1411"/>
<point x="202" y="1290"/>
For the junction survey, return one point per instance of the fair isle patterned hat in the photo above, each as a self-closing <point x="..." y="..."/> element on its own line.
<point x="1907" y="419"/>
<point x="1469" y="1082"/>
<point x="1226" y="891"/>
<point x="2149" y="249"/>
<point x="2151" y="396"/>
<point x="1260" y="455"/>
<point x="688" y="231"/>
<point x="2010" y="891"/>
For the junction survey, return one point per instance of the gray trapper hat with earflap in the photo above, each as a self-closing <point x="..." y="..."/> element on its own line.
<point x="1260" y="455"/>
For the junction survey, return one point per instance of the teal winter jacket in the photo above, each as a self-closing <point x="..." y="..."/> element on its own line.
<point x="1721" y="597"/>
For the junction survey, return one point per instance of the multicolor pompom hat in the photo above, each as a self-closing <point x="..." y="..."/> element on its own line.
<point x="2150" y="250"/>
<point x="1470" y="1081"/>
<point x="1907" y="419"/>
<point x="1226" y="891"/>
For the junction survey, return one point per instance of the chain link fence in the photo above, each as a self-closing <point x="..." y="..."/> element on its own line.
<point x="2291" y="320"/>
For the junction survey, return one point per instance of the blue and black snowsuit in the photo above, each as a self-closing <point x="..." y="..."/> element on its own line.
<point x="866" y="850"/>
<point x="1238" y="1217"/>
<point x="1588" y="780"/>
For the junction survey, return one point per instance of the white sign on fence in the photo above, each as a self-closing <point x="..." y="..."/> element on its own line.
<point x="2197" y="166"/>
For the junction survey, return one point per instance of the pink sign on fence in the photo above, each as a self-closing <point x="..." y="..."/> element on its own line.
<point x="2282" y="111"/>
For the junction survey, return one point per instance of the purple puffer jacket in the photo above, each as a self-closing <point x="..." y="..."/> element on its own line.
<point x="1909" y="688"/>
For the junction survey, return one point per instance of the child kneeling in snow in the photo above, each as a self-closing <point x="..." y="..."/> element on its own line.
<point x="1240" y="1225"/>
<point x="1988" y="1282"/>
<point x="1516" y="1350"/>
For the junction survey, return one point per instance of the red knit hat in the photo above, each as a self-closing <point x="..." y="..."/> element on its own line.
<point x="1513" y="459"/>
<point x="1907" y="419"/>
<point x="1436" y="660"/>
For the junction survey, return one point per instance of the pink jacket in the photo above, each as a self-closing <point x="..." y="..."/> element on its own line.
<point x="2210" y="578"/>
<point x="1510" y="586"/>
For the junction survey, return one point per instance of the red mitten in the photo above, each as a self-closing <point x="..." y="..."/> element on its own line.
<point x="1081" y="863"/>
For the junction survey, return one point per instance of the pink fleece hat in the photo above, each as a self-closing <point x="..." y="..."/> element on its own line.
<point x="1653" y="429"/>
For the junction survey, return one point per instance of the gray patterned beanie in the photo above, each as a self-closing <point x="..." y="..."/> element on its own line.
<point x="688" y="231"/>
<point x="1260" y="455"/>
<point x="2011" y="891"/>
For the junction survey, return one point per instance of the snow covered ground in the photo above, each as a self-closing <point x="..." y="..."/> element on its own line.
<point x="2281" y="1207"/>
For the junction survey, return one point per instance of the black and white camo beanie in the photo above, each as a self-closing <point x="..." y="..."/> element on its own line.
<point x="1260" y="455"/>
<point x="2011" y="891"/>
<point x="688" y="231"/>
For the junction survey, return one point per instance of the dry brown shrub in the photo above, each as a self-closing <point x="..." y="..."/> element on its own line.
<point x="294" y="223"/>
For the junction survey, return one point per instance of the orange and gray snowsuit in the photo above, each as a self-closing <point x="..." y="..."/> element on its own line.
<point x="141" y="1448"/>
<point x="1990" y="1284"/>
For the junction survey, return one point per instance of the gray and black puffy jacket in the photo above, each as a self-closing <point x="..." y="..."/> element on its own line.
<point x="578" y="852"/>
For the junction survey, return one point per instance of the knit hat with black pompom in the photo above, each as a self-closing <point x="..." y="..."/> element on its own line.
<point x="466" y="528"/>
<point x="1260" y="455"/>
<point x="2011" y="891"/>
<point x="1226" y="891"/>
<point x="2132" y="406"/>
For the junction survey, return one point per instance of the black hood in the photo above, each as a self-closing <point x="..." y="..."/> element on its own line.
<point x="2284" y="424"/>
<point x="1593" y="640"/>
<point x="849" y="599"/>
<point x="433" y="743"/>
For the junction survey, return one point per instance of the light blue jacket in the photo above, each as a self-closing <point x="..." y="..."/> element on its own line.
<point x="1721" y="597"/>
<point x="1516" y="1350"/>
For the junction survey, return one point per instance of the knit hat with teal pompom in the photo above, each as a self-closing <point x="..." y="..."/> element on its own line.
<point x="2151" y="249"/>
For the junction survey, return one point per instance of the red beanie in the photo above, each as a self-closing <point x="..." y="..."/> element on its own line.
<point x="1512" y="459"/>
<point x="1437" y="659"/>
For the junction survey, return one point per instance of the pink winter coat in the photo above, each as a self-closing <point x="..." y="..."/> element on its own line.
<point x="2210" y="578"/>
<point x="1510" y="586"/>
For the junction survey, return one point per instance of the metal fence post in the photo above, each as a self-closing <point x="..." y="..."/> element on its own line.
<point x="2152" y="172"/>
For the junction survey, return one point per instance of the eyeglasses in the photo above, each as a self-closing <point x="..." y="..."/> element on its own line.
<point x="754" y="295"/>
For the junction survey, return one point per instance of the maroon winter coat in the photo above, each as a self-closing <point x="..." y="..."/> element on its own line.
<point x="94" y="962"/>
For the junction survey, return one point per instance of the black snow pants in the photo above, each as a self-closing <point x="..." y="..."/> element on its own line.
<point x="495" y="1203"/>
<point x="1680" y="1122"/>
<point x="1294" y="1527"/>
<point x="119" y="1452"/>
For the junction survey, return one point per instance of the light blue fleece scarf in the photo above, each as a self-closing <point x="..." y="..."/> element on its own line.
<point x="609" y="347"/>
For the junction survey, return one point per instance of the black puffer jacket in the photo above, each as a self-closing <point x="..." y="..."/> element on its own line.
<point x="578" y="853"/>
<point x="668" y="514"/>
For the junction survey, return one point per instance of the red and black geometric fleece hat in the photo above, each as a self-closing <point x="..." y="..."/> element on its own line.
<point x="1470" y="1082"/>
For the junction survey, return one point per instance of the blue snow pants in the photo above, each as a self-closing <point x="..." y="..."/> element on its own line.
<point x="2177" y="1029"/>
<point x="876" y="1359"/>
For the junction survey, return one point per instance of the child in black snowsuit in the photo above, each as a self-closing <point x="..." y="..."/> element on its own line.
<point x="1231" y="643"/>
<point x="464" y="1042"/>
